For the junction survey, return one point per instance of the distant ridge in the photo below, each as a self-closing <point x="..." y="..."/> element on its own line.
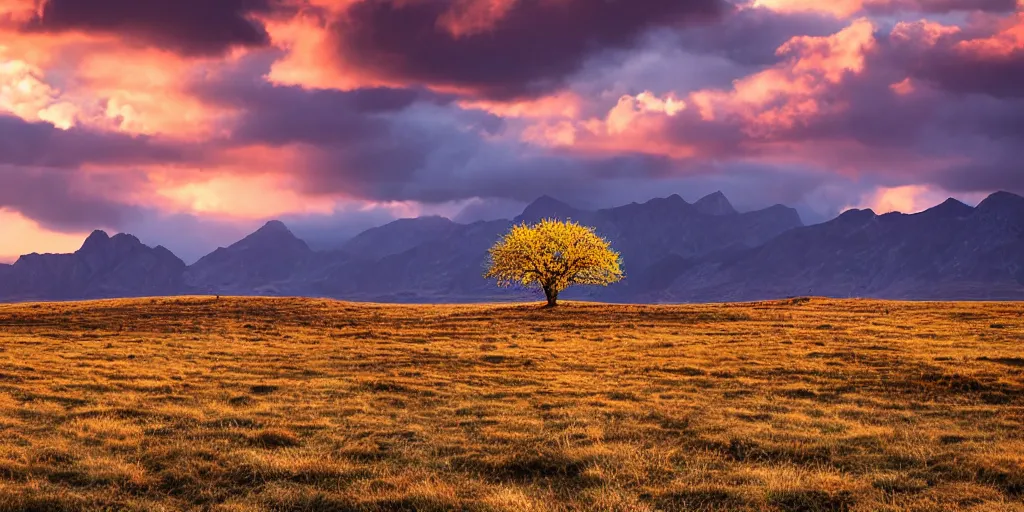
<point x="105" y="266"/>
<point x="673" y="251"/>
<point x="254" y="264"/>
<point x="398" y="236"/>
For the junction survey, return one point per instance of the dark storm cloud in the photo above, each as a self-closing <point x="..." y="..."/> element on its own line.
<point x="279" y="115"/>
<point x="438" y="154"/>
<point x="41" y="176"/>
<point x="189" y="27"/>
<point x="40" y="144"/>
<point x="408" y="145"/>
<point x="371" y="143"/>
<point x="975" y="60"/>
<point x="999" y="173"/>
<point x="499" y="173"/>
<point x="967" y="73"/>
<point x="752" y="36"/>
<point x="60" y="200"/>
<point x="528" y="51"/>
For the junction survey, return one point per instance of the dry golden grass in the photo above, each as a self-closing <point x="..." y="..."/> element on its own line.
<point x="310" y="405"/>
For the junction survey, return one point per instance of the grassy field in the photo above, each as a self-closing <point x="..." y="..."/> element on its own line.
<point x="309" y="405"/>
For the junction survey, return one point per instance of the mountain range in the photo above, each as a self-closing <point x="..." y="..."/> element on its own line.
<point x="673" y="251"/>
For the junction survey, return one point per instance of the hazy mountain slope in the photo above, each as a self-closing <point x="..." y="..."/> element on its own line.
<point x="398" y="236"/>
<point x="646" y="233"/>
<point x="447" y="268"/>
<point x="263" y="262"/>
<point x="715" y="204"/>
<point x="949" y="251"/>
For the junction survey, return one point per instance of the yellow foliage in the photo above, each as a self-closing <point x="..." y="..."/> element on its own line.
<point x="553" y="255"/>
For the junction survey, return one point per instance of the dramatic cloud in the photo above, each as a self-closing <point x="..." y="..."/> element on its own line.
<point x="498" y="49"/>
<point x="191" y="27"/>
<point x="190" y="123"/>
<point x="987" y="65"/>
<point x="62" y="200"/>
<point x="42" y="144"/>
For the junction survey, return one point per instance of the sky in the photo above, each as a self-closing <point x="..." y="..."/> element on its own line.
<point x="189" y="124"/>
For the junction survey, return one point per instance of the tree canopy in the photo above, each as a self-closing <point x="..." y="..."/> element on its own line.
<point x="553" y="255"/>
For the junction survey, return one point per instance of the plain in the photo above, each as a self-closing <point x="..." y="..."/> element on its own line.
<point x="238" y="404"/>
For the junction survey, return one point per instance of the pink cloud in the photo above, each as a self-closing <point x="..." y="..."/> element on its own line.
<point x="850" y="8"/>
<point x="468" y="17"/>
<point x="762" y="105"/>
<point x="1006" y="43"/>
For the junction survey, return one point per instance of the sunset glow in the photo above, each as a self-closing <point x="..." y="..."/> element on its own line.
<point x="23" y="236"/>
<point x="136" y="118"/>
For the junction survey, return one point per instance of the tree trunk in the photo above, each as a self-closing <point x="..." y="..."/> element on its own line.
<point x="552" y="295"/>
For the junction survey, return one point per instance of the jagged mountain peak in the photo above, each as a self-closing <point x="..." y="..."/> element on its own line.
<point x="547" y="207"/>
<point x="672" y="201"/>
<point x="273" y="236"/>
<point x="274" y="226"/>
<point x="95" y="241"/>
<point x="715" y="204"/>
<point x="546" y="201"/>
<point x="949" y="209"/>
<point x="1002" y="202"/>
<point x="855" y="216"/>
<point x="398" y="236"/>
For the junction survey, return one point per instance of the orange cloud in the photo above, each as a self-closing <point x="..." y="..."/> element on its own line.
<point x="469" y="17"/>
<point x="562" y="105"/>
<point x="844" y="9"/>
<point x="837" y="8"/>
<point x="18" y="11"/>
<point x="308" y="61"/>
<point x="152" y="99"/>
<point x="25" y="93"/>
<point x="246" y="183"/>
<point x="761" y="105"/>
<point x="244" y="197"/>
<point x="904" y="87"/>
<point x="922" y="32"/>
<point x="97" y="90"/>
<point x="630" y="110"/>
<point x="782" y="96"/>
<point x="1008" y="41"/>
<point x="637" y="124"/>
<point x="550" y="133"/>
<point x="907" y="199"/>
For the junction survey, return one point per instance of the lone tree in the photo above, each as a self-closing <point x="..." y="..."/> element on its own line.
<point x="553" y="255"/>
